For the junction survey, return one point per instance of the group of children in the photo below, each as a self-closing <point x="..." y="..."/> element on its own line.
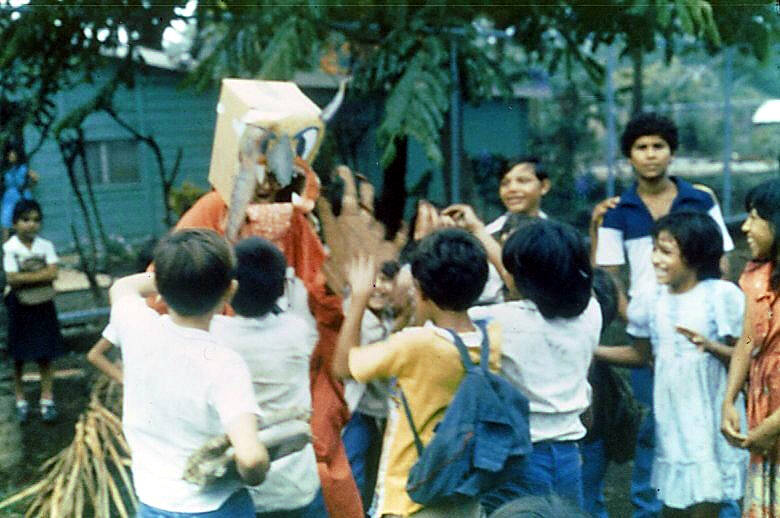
<point x="193" y="373"/>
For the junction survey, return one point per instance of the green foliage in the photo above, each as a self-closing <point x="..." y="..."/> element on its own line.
<point x="417" y="105"/>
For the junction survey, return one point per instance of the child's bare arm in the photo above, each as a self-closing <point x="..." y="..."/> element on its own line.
<point x="251" y="456"/>
<point x="637" y="354"/>
<point x="97" y="357"/>
<point x="722" y="351"/>
<point x="139" y="284"/>
<point x="21" y="279"/>
<point x="361" y="277"/>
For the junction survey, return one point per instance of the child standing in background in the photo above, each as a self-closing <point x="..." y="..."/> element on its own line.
<point x="17" y="179"/>
<point x="687" y="327"/>
<point x="30" y="262"/>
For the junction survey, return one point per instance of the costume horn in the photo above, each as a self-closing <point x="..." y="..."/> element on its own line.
<point x="330" y="110"/>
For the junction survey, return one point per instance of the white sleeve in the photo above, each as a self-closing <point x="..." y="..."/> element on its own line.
<point x="728" y="243"/>
<point x="51" y="253"/>
<point x="9" y="260"/>
<point x="109" y="333"/>
<point x="609" y="248"/>
<point x="638" y="313"/>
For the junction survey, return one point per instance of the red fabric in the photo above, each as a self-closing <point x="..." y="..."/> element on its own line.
<point x="304" y="252"/>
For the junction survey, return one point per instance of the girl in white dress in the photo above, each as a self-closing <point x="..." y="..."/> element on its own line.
<point x="687" y="327"/>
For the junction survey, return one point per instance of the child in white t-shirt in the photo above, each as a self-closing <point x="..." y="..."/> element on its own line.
<point x="182" y="387"/>
<point x="276" y="346"/>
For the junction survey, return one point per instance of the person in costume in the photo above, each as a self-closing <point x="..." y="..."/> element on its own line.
<point x="267" y="134"/>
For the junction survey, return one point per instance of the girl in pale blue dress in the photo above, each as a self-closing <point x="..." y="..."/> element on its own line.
<point x="688" y="325"/>
<point x="17" y="179"/>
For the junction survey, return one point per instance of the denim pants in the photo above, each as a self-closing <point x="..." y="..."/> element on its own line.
<point x="594" y="467"/>
<point x="552" y="467"/>
<point x="363" y="442"/>
<point x="239" y="505"/>
<point x="643" y="495"/>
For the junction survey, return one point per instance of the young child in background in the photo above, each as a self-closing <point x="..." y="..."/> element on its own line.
<point x="17" y="180"/>
<point x="687" y="327"/>
<point x="181" y="386"/>
<point x="276" y="346"/>
<point x="449" y="268"/>
<point x="369" y="402"/>
<point x="33" y="329"/>
<point x="548" y="339"/>
<point x="756" y="357"/>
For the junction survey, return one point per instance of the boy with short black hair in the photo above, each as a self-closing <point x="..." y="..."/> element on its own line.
<point x="449" y="269"/>
<point x="622" y="229"/>
<point x="181" y="387"/>
<point x="276" y="346"/>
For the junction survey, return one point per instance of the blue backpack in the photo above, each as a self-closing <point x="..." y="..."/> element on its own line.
<point x="484" y="430"/>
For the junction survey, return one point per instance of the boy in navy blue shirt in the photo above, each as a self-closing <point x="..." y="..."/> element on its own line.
<point x="623" y="238"/>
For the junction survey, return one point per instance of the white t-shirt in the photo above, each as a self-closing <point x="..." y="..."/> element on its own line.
<point x="181" y="388"/>
<point x="493" y="292"/>
<point x="277" y="349"/>
<point x="14" y="252"/>
<point x="548" y="361"/>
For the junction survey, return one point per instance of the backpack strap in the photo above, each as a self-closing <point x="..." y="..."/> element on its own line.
<point x="467" y="364"/>
<point x="417" y="441"/>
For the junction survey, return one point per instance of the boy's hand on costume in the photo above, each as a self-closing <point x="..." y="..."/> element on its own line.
<point x="730" y="425"/>
<point x="601" y="208"/>
<point x="361" y="275"/>
<point x="464" y="217"/>
<point x="33" y="177"/>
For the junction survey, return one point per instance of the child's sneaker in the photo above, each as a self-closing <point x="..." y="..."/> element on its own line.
<point x="22" y="411"/>
<point x="48" y="410"/>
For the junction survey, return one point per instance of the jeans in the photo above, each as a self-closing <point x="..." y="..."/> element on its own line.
<point x="643" y="495"/>
<point x="239" y="505"/>
<point x="363" y="441"/>
<point x="552" y="467"/>
<point x="594" y="467"/>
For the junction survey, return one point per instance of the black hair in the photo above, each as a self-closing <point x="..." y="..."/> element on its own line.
<point x="699" y="240"/>
<point x="550" y="264"/>
<point x="540" y="168"/>
<point x="514" y="220"/>
<point x="764" y="198"/>
<point x="547" y="506"/>
<point x="24" y="206"/>
<point x="606" y="292"/>
<point x="646" y="124"/>
<point x="390" y="269"/>
<point x="260" y="268"/>
<point x="451" y="268"/>
<point x="193" y="270"/>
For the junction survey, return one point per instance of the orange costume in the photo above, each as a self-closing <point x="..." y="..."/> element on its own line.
<point x="288" y="228"/>
<point x="762" y="494"/>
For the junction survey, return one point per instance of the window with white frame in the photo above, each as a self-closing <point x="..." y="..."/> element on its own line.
<point x="112" y="162"/>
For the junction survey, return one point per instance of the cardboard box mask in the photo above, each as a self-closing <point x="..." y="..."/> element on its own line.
<point x="272" y="120"/>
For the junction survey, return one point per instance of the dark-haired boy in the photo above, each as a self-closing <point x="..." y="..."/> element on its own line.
<point x="522" y="185"/>
<point x="449" y="268"/>
<point x="277" y="346"/>
<point x="181" y="387"/>
<point x="649" y="141"/>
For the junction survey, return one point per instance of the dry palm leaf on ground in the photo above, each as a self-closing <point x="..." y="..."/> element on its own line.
<point x="91" y="475"/>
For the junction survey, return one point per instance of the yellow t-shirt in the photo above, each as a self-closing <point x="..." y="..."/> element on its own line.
<point x="427" y="366"/>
